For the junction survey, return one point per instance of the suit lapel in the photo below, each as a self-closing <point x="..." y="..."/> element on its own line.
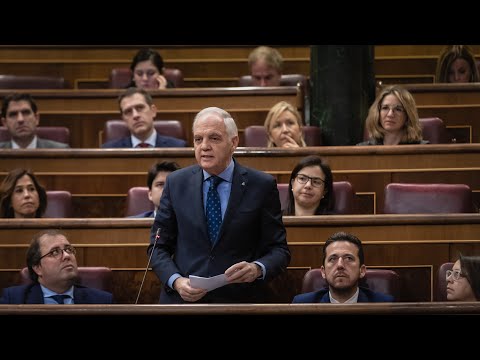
<point x="34" y="295"/>
<point x="195" y="188"/>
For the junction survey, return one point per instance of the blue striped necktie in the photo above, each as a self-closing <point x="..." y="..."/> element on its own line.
<point x="214" y="210"/>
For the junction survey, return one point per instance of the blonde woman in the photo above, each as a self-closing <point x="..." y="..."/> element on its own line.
<point x="393" y="119"/>
<point x="283" y="125"/>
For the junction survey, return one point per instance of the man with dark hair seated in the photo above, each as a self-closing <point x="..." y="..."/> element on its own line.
<point x="139" y="111"/>
<point x="52" y="266"/>
<point x="343" y="266"/>
<point x="20" y="116"/>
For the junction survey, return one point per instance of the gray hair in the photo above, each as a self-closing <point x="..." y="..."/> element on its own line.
<point x="230" y="125"/>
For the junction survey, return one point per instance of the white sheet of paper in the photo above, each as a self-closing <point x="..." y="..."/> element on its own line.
<point x="208" y="284"/>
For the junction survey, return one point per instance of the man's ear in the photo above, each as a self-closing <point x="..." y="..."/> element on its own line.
<point x="363" y="271"/>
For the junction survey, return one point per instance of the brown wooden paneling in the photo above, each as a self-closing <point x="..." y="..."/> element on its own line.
<point x="96" y="172"/>
<point x="413" y="245"/>
<point x="198" y="63"/>
<point x="84" y="112"/>
<point x="413" y="50"/>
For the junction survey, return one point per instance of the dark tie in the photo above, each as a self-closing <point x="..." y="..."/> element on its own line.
<point x="214" y="210"/>
<point x="143" y="145"/>
<point x="60" y="298"/>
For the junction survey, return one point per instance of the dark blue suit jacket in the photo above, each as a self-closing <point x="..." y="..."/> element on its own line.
<point x="145" y="214"/>
<point x="252" y="229"/>
<point x="162" y="141"/>
<point x="321" y="296"/>
<point x="32" y="294"/>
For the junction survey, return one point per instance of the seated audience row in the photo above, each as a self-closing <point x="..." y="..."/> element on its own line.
<point x="455" y="64"/>
<point x="52" y="276"/>
<point x="392" y="120"/>
<point x="148" y="71"/>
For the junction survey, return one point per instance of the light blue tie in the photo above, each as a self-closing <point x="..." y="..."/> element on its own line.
<point x="214" y="210"/>
<point x="60" y="298"/>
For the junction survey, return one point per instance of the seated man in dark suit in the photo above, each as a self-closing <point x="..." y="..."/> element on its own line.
<point x="20" y="116"/>
<point x="343" y="265"/>
<point x="139" y="111"/>
<point x="157" y="175"/>
<point x="53" y="269"/>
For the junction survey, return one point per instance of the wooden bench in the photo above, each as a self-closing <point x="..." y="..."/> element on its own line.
<point x="85" y="112"/>
<point x="90" y="66"/>
<point x="413" y="245"/>
<point x="99" y="179"/>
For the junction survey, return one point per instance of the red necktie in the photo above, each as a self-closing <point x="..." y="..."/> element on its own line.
<point x="143" y="145"/>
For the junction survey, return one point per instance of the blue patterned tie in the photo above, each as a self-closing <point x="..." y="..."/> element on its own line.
<point x="214" y="210"/>
<point x="60" y="298"/>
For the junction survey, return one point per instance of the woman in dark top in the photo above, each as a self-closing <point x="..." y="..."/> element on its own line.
<point x="393" y="119"/>
<point x="463" y="281"/>
<point x="147" y="71"/>
<point x="21" y="196"/>
<point x="457" y="64"/>
<point x="310" y="190"/>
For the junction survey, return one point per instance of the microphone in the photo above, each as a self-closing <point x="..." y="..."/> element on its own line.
<point x="157" y="236"/>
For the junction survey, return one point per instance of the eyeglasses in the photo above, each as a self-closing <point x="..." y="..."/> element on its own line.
<point x="396" y="109"/>
<point x="455" y="274"/>
<point x="315" y="181"/>
<point x="57" y="252"/>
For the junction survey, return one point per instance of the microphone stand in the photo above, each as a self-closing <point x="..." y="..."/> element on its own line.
<point x="157" y="236"/>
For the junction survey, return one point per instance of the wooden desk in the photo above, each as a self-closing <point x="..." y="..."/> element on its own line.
<point x="413" y="245"/>
<point x="90" y="66"/>
<point x="84" y="112"/>
<point x="99" y="179"/>
<point x="413" y="50"/>
<point x="458" y="105"/>
<point x="248" y="311"/>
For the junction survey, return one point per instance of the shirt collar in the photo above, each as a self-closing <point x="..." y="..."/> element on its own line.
<point x="352" y="300"/>
<point x="151" y="140"/>
<point x="32" y="145"/>
<point x="226" y="175"/>
<point x="48" y="293"/>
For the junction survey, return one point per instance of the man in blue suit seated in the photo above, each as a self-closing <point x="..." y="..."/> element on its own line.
<point x="139" y="111"/>
<point x="343" y="266"/>
<point x="157" y="175"/>
<point x="53" y="269"/>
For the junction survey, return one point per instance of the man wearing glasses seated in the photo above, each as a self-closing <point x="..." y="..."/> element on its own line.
<point x="52" y="267"/>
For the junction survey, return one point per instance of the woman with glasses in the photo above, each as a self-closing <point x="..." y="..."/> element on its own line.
<point x="457" y="64"/>
<point x="147" y="69"/>
<point x="22" y="196"/>
<point x="283" y="125"/>
<point x="310" y="190"/>
<point x="393" y="119"/>
<point x="463" y="281"/>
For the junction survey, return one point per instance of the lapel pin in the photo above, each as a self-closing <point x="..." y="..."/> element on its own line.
<point x="243" y="183"/>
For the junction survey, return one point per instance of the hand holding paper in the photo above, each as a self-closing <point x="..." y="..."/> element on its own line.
<point x="208" y="284"/>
